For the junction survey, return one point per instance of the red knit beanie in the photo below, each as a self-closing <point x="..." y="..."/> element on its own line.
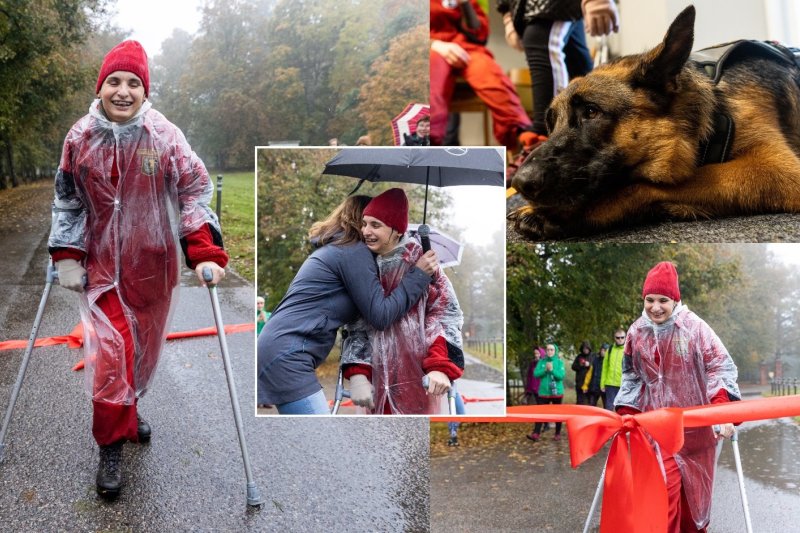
<point x="662" y="279"/>
<point x="391" y="208"/>
<point x="130" y="57"/>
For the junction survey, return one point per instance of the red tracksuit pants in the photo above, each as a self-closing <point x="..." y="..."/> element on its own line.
<point x="491" y="85"/>
<point x="679" y="517"/>
<point x="114" y="421"/>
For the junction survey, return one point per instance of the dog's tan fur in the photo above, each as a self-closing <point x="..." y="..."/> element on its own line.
<point x="659" y="149"/>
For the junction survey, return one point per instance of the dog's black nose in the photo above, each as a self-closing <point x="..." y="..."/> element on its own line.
<point x="527" y="180"/>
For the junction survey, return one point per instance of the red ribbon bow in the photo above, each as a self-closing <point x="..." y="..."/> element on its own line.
<point x="636" y="487"/>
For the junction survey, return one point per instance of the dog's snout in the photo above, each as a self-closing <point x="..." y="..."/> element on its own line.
<point x="528" y="178"/>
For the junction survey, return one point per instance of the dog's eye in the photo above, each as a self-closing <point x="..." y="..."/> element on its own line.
<point x="591" y="111"/>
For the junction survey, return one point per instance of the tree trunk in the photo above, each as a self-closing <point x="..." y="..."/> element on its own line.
<point x="10" y="162"/>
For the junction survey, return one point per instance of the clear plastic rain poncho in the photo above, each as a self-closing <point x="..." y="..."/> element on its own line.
<point x="680" y="363"/>
<point x="129" y="233"/>
<point x="396" y="353"/>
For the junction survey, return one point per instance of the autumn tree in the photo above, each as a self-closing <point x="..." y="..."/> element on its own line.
<point x="47" y="66"/>
<point x="397" y="78"/>
<point x="570" y="292"/>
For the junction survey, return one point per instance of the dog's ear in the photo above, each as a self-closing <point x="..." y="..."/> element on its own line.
<point x="661" y="65"/>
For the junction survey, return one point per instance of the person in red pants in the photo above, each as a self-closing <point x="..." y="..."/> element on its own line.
<point x="386" y="367"/>
<point x="673" y="358"/>
<point x="129" y="194"/>
<point x="459" y="30"/>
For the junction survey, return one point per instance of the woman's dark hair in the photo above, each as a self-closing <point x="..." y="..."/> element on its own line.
<point x="343" y="225"/>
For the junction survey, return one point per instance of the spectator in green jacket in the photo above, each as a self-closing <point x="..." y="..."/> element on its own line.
<point x="261" y="315"/>
<point x="550" y="369"/>
<point x="611" y="377"/>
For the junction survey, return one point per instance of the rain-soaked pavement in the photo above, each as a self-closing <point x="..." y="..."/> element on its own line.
<point x="315" y="474"/>
<point x="516" y="485"/>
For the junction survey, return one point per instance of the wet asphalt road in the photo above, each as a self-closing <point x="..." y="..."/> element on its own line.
<point x="532" y="487"/>
<point x="761" y="228"/>
<point x="315" y="474"/>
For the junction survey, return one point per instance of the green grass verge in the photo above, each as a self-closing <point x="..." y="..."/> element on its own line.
<point x="489" y="354"/>
<point x="238" y="220"/>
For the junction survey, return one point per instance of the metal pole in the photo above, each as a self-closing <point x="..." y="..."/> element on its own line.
<point x="425" y="209"/>
<point x="253" y="496"/>
<point x="595" y="500"/>
<point x="737" y="458"/>
<point x="51" y="274"/>
<point x="341" y="393"/>
<point x="219" y="196"/>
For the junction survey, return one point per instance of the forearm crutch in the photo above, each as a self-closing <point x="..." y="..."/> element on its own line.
<point x="341" y="393"/>
<point x="253" y="495"/>
<point x="738" y="459"/>
<point x="595" y="500"/>
<point x="451" y="394"/>
<point x="50" y="278"/>
<point x="739" y="473"/>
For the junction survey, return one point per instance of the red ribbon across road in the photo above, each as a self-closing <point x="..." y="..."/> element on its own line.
<point x="632" y="472"/>
<point x="74" y="339"/>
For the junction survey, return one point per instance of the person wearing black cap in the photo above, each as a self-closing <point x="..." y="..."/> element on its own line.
<point x="591" y="382"/>
<point x="581" y="366"/>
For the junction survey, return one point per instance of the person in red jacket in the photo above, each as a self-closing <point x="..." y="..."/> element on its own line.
<point x="673" y="358"/>
<point x="129" y="193"/>
<point x="386" y="368"/>
<point x="459" y="30"/>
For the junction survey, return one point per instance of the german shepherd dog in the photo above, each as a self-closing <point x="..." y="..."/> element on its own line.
<point x="660" y="135"/>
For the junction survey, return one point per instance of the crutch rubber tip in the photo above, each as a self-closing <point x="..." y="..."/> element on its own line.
<point x="254" y="498"/>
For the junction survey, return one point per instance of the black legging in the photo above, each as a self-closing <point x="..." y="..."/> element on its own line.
<point x="539" y="37"/>
<point x="537" y="428"/>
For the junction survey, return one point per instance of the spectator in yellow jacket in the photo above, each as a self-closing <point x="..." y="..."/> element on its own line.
<point x="611" y="377"/>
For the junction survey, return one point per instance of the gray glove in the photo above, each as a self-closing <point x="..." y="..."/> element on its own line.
<point x="71" y="274"/>
<point x="361" y="391"/>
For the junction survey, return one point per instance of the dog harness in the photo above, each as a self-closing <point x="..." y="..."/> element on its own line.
<point x="713" y="62"/>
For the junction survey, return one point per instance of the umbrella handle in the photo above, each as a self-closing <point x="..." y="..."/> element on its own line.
<point x="424" y="232"/>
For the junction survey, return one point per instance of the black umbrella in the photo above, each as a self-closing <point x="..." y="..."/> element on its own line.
<point x="437" y="166"/>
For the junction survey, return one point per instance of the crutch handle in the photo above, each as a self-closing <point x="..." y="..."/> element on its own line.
<point x="451" y="390"/>
<point x="207" y="275"/>
<point x="52" y="275"/>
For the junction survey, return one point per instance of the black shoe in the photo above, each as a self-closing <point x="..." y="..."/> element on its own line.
<point x="453" y="441"/>
<point x="109" y="471"/>
<point x="143" y="429"/>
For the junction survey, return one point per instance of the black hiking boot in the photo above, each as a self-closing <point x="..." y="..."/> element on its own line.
<point x="143" y="429"/>
<point x="109" y="472"/>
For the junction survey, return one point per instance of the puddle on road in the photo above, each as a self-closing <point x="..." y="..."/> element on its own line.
<point x="770" y="454"/>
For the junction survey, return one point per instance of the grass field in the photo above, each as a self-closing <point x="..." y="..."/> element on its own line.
<point x="491" y="354"/>
<point x="238" y="220"/>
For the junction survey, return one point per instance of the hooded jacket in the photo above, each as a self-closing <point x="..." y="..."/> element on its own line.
<point x="555" y="376"/>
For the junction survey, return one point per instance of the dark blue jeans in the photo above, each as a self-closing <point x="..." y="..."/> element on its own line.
<point x="611" y="395"/>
